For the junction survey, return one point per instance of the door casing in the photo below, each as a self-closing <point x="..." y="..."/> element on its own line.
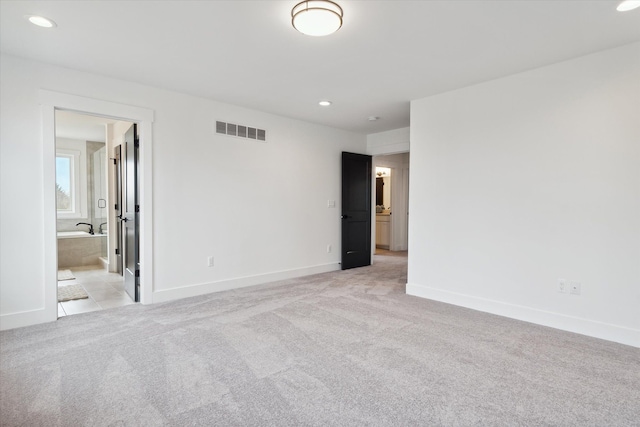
<point x="130" y="214"/>
<point x="49" y="102"/>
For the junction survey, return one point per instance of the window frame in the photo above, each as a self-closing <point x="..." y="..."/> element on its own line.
<point x="76" y="152"/>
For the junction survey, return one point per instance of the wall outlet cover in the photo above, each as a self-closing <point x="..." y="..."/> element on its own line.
<point x="575" y="288"/>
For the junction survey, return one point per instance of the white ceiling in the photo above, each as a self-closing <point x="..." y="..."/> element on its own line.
<point x="247" y="53"/>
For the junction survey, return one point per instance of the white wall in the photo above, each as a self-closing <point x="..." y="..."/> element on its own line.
<point x="523" y="180"/>
<point x="259" y="208"/>
<point x="389" y="142"/>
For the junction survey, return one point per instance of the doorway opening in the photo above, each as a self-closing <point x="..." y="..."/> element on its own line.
<point x="89" y="180"/>
<point x="53" y="103"/>
<point x="391" y="195"/>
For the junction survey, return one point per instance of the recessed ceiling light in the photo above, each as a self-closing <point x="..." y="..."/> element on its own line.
<point x="373" y="118"/>
<point x="628" y="5"/>
<point x="41" y="21"/>
<point x="324" y="103"/>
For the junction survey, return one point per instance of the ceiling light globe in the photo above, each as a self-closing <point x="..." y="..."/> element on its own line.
<point x="317" y="17"/>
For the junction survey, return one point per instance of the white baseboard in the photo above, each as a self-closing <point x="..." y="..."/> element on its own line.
<point x="27" y="318"/>
<point x="240" y="282"/>
<point x="578" y="325"/>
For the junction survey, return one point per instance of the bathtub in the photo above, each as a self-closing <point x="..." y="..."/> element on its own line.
<point x="76" y="234"/>
<point x="72" y="234"/>
<point x="79" y="248"/>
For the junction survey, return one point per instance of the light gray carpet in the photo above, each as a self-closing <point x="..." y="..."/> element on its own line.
<point x="337" y="349"/>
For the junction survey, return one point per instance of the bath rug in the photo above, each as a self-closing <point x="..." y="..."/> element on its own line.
<point x="65" y="275"/>
<point x="69" y="292"/>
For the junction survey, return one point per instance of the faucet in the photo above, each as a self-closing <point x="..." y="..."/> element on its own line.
<point x="100" y="229"/>
<point x="86" y="223"/>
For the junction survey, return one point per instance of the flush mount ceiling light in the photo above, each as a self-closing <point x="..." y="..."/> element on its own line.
<point x="324" y="103"/>
<point x="40" y="21"/>
<point x="316" y="17"/>
<point x="628" y="5"/>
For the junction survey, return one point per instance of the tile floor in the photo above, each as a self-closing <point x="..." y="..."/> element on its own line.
<point x="105" y="290"/>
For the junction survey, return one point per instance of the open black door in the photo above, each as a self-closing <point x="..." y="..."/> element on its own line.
<point x="356" y="210"/>
<point x="130" y="214"/>
<point x="119" y="177"/>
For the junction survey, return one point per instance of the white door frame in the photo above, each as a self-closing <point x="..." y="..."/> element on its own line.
<point x="51" y="101"/>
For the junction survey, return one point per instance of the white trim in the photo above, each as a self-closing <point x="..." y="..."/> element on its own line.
<point x="146" y="211"/>
<point x="578" y="325"/>
<point x="79" y="104"/>
<point x="27" y="318"/>
<point x="240" y="282"/>
<point x="50" y="246"/>
<point x="50" y="101"/>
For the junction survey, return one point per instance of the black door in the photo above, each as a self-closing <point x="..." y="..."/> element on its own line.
<point x="119" y="177"/>
<point x="356" y="210"/>
<point x="130" y="214"/>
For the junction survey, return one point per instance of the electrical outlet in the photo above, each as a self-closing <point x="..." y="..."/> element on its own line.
<point x="328" y="249"/>
<point x="331" y="203"/>
<point x="575" y="288"/>
<point x="562" y="286"/>
<point x="210" y="261"/>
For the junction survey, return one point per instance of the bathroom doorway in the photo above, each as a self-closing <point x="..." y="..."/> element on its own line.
<point x="51" y="102"/>
<point x="391" y="192"/>
<point x="87" y="196"/>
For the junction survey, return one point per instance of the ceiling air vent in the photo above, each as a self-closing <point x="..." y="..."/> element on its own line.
<point x="241" y="131"/>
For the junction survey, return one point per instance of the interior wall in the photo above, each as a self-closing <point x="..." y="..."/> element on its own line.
<point x="524" y="180"/>
<point x="260" y="209"/>
<point x="388" y="142"/>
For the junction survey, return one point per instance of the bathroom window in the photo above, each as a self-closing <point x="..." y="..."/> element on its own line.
<point x="71" y="182"/>
<point x="65" y="184"/>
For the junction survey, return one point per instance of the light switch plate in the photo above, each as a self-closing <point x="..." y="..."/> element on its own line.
<point x="562" y="286"/>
